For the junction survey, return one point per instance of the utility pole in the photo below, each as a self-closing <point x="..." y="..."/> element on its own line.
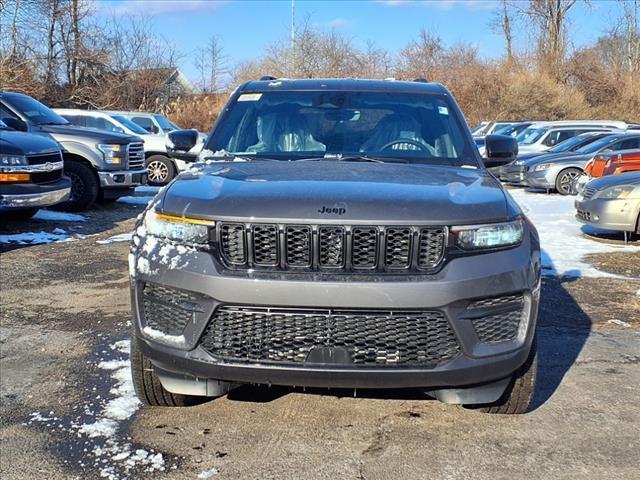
<point x="293" y="38"/>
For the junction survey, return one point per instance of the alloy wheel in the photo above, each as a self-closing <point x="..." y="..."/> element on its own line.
<point x="157" y="172"/>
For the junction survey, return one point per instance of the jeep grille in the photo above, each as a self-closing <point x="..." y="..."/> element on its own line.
<point x="330" y="247"/>
<point x="369" y="338"/>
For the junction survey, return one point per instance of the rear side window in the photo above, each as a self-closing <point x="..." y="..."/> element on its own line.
<point x="77" y="120"/>
<point x="101" y="124"/>
<point x="559" y="136"/>
<point x="630" y="144"/>
<point x="145" y="123"/>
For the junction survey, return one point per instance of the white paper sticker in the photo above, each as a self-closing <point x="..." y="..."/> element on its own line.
<point x="249" y="97"/>
<point x="443" y="110"/>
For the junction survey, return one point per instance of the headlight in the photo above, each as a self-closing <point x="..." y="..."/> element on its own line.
<point x="109" y="152"/>
<point x="619" y="192"/>
<point x="489" y="236"/>
<point x="179" y="229"/>
<point x="11" y="160"/>
<point x="541" y="167"/>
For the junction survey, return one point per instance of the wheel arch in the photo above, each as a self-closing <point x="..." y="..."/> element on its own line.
<point x="74" y="157"/>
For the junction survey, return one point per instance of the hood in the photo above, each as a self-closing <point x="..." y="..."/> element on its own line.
<point x="155" y="143"/>
<point x="629" y="178"/>
<point x="570" y="157"/>
<point x="70" y="132"/>
<point x="339" y="192"/>
<point x="21" y="143"/>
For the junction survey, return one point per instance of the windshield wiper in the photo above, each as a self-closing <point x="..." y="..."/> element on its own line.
<point x="338" y="157"/>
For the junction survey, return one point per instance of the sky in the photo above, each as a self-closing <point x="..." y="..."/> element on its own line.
<point x="245" y="27"/>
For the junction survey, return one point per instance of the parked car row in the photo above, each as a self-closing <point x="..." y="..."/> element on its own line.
<point x="599" y="159"/>
<point x="73" y="158"/>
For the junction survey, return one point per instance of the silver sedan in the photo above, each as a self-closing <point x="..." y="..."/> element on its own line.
<point x="611" y="202"/>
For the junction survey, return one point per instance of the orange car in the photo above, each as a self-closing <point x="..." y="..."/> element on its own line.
<point x="613" y="163"/>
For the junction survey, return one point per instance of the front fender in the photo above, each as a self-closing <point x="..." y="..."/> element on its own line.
<point x="84" y="151"/>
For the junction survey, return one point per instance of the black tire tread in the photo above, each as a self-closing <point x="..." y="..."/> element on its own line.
<point x="519" y="394"/>
<point x="92" y="187"/>
<point x="148" y="387"/>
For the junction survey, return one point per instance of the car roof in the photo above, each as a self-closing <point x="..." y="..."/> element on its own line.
<point x="350" y="84"/>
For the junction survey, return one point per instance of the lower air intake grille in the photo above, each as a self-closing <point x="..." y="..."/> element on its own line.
<point x="167" y="309"/>
<point x="502" y="320"/>
<point x="370" y="338"/>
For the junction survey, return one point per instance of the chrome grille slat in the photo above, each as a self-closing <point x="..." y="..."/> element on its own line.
<point x="330" y="247"/>
<point x="135" y="155"/>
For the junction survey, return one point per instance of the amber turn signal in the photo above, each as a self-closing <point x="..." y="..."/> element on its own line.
<point x="14" y="177"/>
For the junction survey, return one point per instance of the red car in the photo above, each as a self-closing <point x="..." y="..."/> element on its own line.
<point x="613" y="163"/>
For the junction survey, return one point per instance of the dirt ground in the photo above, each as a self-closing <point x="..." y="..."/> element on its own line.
<point x="64" y="305"/>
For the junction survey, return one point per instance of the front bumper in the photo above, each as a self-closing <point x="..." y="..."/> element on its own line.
<point x="449" y="291"/>
<point x="514" y="174"/>
<point x="123" y="178"/>
<point x="30" y="195"/>
<point x="611" y="214"/>
<point x="543" y="179"/>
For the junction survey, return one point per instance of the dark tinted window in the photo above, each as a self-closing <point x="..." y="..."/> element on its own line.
<point x="36" y="112"/>
<point x="145" y="123"/>
<point x="419" y="127"/>
<point x="77" y="120"/>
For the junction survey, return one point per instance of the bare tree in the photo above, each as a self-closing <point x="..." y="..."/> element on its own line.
<point x="548" y="18"/>
<point x="502" y="22"/>
<point x="211" y="63"/>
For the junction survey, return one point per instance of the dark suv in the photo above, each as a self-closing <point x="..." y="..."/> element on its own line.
<point x="337" y="233"/>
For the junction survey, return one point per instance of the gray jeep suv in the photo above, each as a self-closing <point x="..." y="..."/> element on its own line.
<point x="337" y="233"/>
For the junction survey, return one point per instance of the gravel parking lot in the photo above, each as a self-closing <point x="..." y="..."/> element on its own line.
<point x="66" y="394"/>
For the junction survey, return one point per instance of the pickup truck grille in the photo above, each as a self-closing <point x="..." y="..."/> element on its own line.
<point x="363" y="338"/>
<point x="330" y="247"/>
<point x="42" y="159"/>
<point x="135" y="153"/>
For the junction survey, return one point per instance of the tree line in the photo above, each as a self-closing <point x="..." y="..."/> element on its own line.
<point x="61" y="52"/>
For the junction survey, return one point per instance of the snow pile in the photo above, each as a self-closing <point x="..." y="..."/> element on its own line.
<point x="100" y="441"/>
<point x="39" y="238"/>
<point x="208" y="473"/>
<point x="148" y="189"/>
<point x="135" y="200"/>
<point x="561" y="236"/>
<point x="123" y="237"/>
<point x="53" y="216"/>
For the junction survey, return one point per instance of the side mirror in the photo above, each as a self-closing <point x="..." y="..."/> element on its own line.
<point x="179" y="142"/>
<point x="500" y="150"/>
<point x="15" y="123"/>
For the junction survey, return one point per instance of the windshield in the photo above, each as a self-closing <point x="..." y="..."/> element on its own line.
<point x="530" y="135"/>
<point x="36" y="112"/>
<point x="571" y="143"/>
<point x="479" y="129"/>
<point x="130" y="125"/>
<point x="511" y="130"/>
<point x="389" y="126"/>
<point x="165" y="124"/>
<point x="3" y="125"/>
<point x="597" y="145"/>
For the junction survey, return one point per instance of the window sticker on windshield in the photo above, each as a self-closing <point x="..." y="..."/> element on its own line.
<point x="443" y="110"/>
<point x="249" y="97"/>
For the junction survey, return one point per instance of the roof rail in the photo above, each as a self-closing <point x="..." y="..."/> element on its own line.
<point x="421" y="80"/>
<point x="267" y="77"/>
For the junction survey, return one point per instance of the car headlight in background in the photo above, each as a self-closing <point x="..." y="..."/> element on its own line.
<point x="541" y="167"/>
<point x="109" y="152"/>
<point x="178" y="229"/>
<point x="618" y="192"/>
<point x="519" y="162"/>
<point x="12" y="160"/>
<point x="471" y="237"/>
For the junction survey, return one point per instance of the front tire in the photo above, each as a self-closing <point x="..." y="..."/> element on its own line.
<point x="519" y="393"/>
<point x="160" y="170"/>
<point x="565" y="179"/>
<point x="84" y="187"/>
<point x="148" y="387"/>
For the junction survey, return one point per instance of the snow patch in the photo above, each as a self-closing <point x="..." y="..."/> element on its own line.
<point x="135" y="200"/>
<point x="621" y="323"/>
<point x="39" y="238"/>
<point x="208" y="473"/>
<point x="177" y="340"/>
<point x="147" y="189"/>
<point x="123" y="237"/>
<point x="52" y="215"/>
<point x="562" y="239"/>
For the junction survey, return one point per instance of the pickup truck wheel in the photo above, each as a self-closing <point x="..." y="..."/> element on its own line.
<point x="518" y="395"/>
<point x="18" y="215"/>
<point x="84" y="187"/>
<point x="160" y="170"/>
<point x="564" y="180"/>
<point x="148" y="387"/>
